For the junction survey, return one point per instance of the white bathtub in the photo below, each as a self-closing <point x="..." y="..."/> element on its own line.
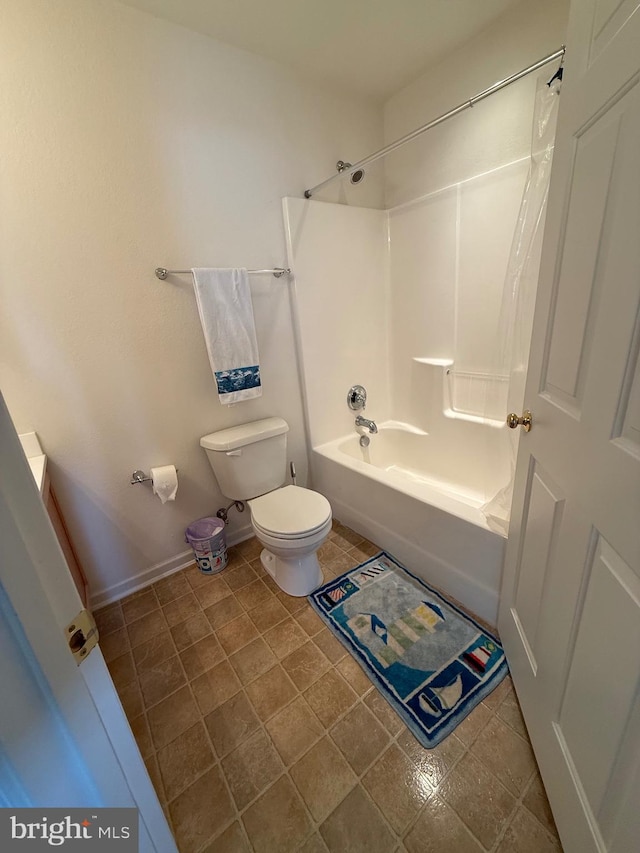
<point x="420" y="498"/>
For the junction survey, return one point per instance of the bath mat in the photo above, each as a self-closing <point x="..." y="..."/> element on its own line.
<point x="430" y="661"/>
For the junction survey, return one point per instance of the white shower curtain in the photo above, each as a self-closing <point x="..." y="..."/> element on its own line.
<point x="518" y="300"/>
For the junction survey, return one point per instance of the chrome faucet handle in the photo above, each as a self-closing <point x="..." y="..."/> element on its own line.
<point x="357" y="398"/>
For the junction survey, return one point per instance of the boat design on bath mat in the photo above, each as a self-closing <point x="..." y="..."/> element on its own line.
<point x="432" y="662"/>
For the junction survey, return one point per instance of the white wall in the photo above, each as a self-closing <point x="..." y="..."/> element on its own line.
<point x="340" y="258"/>
<point x="454" y="197"/>
<point x="496" y="131"/>
<point x="127" y="143"/>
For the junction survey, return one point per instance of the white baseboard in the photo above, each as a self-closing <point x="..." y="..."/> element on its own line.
<point x="109" y="594"/>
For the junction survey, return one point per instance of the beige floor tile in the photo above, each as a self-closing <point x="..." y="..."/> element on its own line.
<point x="340" y="541"/>
<point x="239" y="576"/>
<point x="109" y="619"/>
<point x="190" y="631"/>
<point x="329" y="551"/>
<point x="201" y="656"/>
<point x="330" y="646"/>
<point x="215" y="686"/>
<point x="235" y="559"/>
<point x="268" y="614"/>
<point x="305" y="665"/>
<point x="223" y="612"/>
<point x="285" y="637"/>
<point x="253" y="594"/>
<point x="360" y="737"/>
<point x="122" y="670"/>
<point x="139" y="604"/>
<point x="249" y="549"/>
<point x="330" y="697"/>
<point x="506" y="754"/>
<point x="151" y="762"/>
<point x="172" y="716"/>
<point x="114" y="644"/>
<point x="294" y="729"/>
<point x="195" y="578"/>
<point x="232" y="840"/>
<point x="182" y="608"/>
<point x="251" y="768"/>
<point x="160" y="681"/>
<point x="469" y="729"/>
<point x="353" y="673"/>
<point x="438" y="828"/>
<point x="277" y="822"/>
<point x="314" y="844"/>
<point x="236" y="634"/>
<point x="433" y="763"/>
<point x="231" y="724"/>
<point x="400" y="801"/>
<point x="140" y="729"/>
<point x="270" y="692"/>
<point x="368" y="548"/>
<point x="350" y="536"/>
<point x="266" y="578"/>
<point x="484" y="815"/>
<point x="340" y="564"/>
<point x="291" y="603"/>
<point x="498" y="694"/>
<point x="171" y="587"/>
<point x="357" y="826"/>
<point x="309" y="621"/>
<point x="145" y="628"/>
<point x="536" y="801"/>
<point x="383" y="712"/>
<point x="525" y="835"/>
<point x="323" y="778"/>
<point x="509" y="711"/>
<point x="131" y="699"/>
<point x="154" y="651"/>
<point x="253" y="660"/>
<point x="194" y="817"/>
<point x="184" y="759"/>
<point x="358" y="555"/>
<point x="211" y="591"/>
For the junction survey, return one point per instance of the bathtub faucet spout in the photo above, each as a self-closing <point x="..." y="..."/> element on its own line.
<point x="365" y="422"/>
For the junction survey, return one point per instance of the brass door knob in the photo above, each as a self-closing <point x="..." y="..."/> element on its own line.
<point x="525" y="420"/>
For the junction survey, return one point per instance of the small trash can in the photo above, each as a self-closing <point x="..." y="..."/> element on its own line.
<point x="206" y="537"/>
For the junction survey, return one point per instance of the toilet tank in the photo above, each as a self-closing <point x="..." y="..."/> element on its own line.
<point x="249" y="459"/>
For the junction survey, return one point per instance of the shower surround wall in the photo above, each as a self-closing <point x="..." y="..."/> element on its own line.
<point x="452" y="202"/>
<point x="127" y="143"/>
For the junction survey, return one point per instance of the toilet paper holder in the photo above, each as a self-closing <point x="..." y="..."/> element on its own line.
<point x="140" y="477"/>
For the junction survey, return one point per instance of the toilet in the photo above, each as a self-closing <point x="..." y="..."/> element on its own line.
<point x="250" y="464"/>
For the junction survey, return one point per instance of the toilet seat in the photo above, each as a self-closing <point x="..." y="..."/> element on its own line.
<point x="290" y="513"/>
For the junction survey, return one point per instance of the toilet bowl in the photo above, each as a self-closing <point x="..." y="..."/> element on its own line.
<point x="292" y="523"/>
<point x="250" y="464"/>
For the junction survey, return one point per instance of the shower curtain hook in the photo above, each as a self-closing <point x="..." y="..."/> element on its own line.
<point x="560" y="71"/>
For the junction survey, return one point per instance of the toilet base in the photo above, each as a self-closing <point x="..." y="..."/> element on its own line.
<point x="296" y="576"/>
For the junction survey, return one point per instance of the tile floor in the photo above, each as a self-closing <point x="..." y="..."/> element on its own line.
<point x="261" y="734"/>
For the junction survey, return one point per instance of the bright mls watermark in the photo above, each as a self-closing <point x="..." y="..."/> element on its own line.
<point x="102" y="830"/>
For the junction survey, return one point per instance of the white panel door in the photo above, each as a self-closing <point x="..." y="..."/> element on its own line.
<point x="570" y="606"/>
<point x="64" y="739"/>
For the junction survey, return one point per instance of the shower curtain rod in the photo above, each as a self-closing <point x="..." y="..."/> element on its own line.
<point x="463" y="106"/>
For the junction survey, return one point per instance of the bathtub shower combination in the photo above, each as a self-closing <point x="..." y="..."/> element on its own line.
<point x="428" y="306"/>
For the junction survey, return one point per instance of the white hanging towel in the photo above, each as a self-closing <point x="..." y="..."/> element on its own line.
<point x="226" y="314"/>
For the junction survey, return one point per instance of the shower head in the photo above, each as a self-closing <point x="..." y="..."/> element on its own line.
<point x="356" y="176"/>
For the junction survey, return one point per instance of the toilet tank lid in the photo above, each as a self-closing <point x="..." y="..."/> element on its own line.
<point x="243" y="434"/>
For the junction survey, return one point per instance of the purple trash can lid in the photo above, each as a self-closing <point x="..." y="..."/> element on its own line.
<point x="204" y="528"/>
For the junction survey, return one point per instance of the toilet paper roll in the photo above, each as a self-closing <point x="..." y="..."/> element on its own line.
<point x="165" y="482"/>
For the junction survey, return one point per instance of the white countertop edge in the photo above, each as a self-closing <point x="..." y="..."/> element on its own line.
<point x="35" y="457"/>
